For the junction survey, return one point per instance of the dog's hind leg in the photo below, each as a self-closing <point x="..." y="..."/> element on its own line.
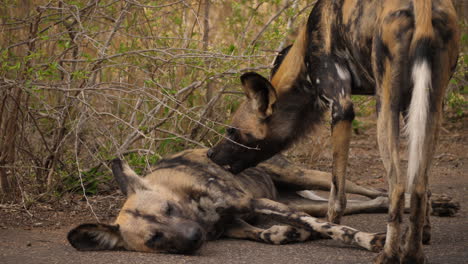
<point x="277" y="234"/>
<point x="284" y="172"/>
<point x="319" y="208"/>
<point x="439" y="205"/>
<point x="347" y="235"/>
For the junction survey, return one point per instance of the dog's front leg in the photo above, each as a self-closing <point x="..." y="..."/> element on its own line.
<point x="277" y="234"/>
<point x="348" y="235"/>
<point x="242" y="230"/>
<point x="333" y="78"/>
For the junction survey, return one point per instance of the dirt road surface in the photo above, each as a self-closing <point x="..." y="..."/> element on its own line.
<point x="42" y="238"/>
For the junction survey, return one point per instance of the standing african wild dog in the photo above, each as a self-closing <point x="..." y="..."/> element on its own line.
<point x="402" y="51"/>
<point x="187" y="199"/>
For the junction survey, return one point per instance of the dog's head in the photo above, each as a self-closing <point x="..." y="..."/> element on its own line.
<point x="151" y="220"/>
<point x="253" y="134"/>
<point x="274" y="113"/>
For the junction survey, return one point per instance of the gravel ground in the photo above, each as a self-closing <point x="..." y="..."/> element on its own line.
<point x="42" y="239"/>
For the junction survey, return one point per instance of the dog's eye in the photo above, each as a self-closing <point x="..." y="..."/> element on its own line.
<point x="169" y="210"/>
<point x="156" y="238"/>
<point x="230" y="131"/>
<point x="249" y="136"/>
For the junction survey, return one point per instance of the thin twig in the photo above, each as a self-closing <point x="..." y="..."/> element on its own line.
<point x="273" y="18"/>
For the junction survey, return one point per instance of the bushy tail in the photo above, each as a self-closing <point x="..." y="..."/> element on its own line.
<point x="417" y="117"/>
<point x="421" y="48"/>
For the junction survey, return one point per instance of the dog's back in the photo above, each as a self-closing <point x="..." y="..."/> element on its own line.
<point x="193" y="169"/>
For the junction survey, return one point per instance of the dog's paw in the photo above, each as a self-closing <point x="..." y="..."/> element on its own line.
<point x="426" y="236"/>
<point x="444" y="205"/>
<point x="378" y="242"/>
<point x="279" y="234"/>
<point x="416" y="258"/>
<point x="383" y="258"/>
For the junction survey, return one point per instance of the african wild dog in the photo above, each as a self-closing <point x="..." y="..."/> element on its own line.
<point x="402" y="51"/>
<point x="188" y="199"/>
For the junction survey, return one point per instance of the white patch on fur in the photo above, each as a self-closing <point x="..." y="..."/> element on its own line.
<point x="338" y="206"/>
<point x="308" y="194"/>
<point x="317" y="80"/>
<point x="324" y="102"/>
<point x="407" y="200"/>
<point x="391" y="235"/>
<point x="342" y="72"/>
<point x="330" y="101"/>
<point x="213" y="171"/>
<point x="364" y="239"/>
<point x="417" y="118"/>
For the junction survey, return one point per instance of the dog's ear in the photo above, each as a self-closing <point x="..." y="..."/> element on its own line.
<point x="260" y="93"/>
<point x="128" y="181"/>
<point x="95" y="237"/>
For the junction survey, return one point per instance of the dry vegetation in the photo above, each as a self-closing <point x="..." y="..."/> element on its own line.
<point x="85" y="81"/>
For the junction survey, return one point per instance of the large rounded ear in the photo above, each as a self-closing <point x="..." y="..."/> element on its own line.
<point x="95" y="237"/>
<point x="260" y="93"/>
<point x="128" y="181"/>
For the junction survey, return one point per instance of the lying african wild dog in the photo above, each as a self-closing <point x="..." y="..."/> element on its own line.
<point x="187" y="199"/>
<point x="404" y="52"/>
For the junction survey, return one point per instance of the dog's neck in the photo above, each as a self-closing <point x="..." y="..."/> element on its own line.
<point x="292" y="66"/>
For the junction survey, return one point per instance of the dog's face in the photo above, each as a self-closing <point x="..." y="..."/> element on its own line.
<point x="248" y="139"/>
<point x="151" y="220"/>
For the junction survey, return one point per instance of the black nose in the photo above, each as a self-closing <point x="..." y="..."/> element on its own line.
<point x="194" y="234"/>
<point x="210" y="153"/>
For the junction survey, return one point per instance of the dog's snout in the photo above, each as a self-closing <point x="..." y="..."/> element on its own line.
<point x="210" y="153"/>
<point x="193" y="238"/>
<point x="194" y="234"/>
